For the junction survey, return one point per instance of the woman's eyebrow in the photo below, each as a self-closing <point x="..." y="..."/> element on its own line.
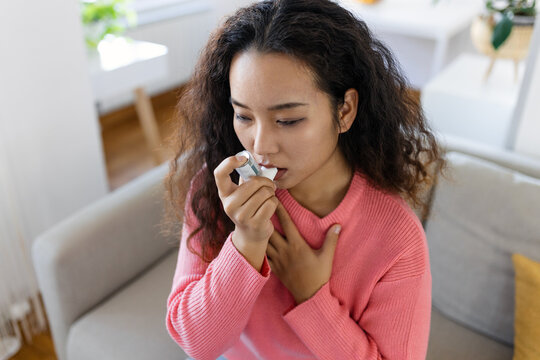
<point x="271" y="108"/>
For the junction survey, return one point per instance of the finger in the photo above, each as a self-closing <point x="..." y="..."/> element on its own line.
<point x="266" y="210"/>
<point x="330" y="243"/>
<point x="250" y="195"/>
<point x="289" y="228"/>
<point x="254" y="203"/>
<point x="271" y="251"/>
<point x="277" y="240"/>
<point x="333" y="233"/>
<point x="254" y="184"/>
<point x="221" y="174"/>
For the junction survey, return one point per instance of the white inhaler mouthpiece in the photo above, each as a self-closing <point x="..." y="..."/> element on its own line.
<point x="251" y="168"/>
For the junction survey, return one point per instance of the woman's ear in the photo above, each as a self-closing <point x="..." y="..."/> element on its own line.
<point x="347" y="111"/>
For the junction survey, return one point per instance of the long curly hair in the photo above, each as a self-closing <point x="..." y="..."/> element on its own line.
<point x="389" y="140"/>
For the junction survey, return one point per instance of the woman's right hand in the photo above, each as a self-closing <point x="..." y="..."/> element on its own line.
<point x="250" y="204"/>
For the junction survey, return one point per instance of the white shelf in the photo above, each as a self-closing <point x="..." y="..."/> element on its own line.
<point x="423" y="36"/>
<point x="458" y="101"/>
<point x="121" y="65"/>
<point x="418" y="18"/>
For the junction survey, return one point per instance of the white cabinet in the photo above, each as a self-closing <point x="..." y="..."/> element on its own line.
<point x="459" y="102"/>
<point x="423" y="36"/>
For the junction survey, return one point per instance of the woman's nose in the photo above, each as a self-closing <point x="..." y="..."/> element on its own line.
<point x="264" y="141"/>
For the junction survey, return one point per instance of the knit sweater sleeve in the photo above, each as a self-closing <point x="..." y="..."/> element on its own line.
<point x="210" y="304"/>
<point x="394" y="325"/>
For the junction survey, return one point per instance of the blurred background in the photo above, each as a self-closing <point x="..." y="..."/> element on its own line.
<point x="88" y="92"/>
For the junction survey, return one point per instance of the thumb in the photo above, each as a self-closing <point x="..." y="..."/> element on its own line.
<point x="221" y="174"/>
<point x="331" y="239"/>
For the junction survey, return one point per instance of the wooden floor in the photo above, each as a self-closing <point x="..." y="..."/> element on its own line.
<point x="41" y="348"/>
<point x="126" y="153"/>
<point x="127" y="156"/>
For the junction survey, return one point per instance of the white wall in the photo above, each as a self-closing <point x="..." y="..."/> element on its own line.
<point x="48" y="123"/>
<point x="184" y="36"/>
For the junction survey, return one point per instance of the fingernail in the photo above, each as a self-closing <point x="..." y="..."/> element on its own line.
<point x="275" y="186"/>
<point x="241" y="158"/>
<point x="337" y="229"/>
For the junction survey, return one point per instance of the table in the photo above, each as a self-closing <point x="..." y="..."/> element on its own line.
<point x="424" y="36"/>
<point x="459" y="102"/>
<point x="122" y="65"/>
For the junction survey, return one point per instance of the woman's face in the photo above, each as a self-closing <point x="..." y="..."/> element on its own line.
<point x="282" y="118"/>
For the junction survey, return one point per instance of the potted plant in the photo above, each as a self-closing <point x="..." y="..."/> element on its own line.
<point x="504" y="30"/>
<point x="105" y="17"/>
<point x="503" y="15"/>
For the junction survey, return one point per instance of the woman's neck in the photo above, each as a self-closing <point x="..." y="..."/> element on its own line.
<point x="322" y="192"/>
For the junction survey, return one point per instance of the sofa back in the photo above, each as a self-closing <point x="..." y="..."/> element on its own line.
<point x="487" y="210"/>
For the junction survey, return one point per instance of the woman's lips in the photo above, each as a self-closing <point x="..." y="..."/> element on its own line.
<point x="268" y="165"/>
<point x="280" y="173"/>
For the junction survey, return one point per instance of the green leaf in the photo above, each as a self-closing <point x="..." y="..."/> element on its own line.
<point x="111" y="14"/>
<point x="501" y="31"/>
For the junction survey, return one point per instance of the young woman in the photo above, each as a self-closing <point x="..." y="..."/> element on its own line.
<point x="328" y="260"/>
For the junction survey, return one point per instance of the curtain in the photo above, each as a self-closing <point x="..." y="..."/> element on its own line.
<point x="21" y="312"/>
<point x="51" y="155"/>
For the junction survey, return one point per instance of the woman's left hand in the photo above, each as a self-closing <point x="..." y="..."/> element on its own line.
<point x="300" y="268"/>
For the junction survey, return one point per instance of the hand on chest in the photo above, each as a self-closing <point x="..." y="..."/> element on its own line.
<point x="302" y="269"/>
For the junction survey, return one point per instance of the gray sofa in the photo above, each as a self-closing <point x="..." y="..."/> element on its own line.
<point x="106" y="271"/>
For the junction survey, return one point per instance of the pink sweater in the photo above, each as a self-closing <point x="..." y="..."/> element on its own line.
<point x="376" y="305"/>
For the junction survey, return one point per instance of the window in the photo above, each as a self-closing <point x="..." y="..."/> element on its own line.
<point x="150" y="11"/>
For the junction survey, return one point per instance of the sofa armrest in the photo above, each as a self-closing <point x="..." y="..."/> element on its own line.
<point x="90" y="255"/>
<point x="506" y="158"/>
<point x="451" y="143"/>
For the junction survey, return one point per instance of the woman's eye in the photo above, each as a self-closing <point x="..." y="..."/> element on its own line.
<point x="242" y="118"/>
<point x="280" y="122"/>
<point x="290" y="122"/>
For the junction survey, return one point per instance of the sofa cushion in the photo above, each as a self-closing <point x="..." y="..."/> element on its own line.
<point x="131" y="323"/>
<point x="527" y="323"/>
<point x="449" y="340"/>
<point x="478" y="219"/>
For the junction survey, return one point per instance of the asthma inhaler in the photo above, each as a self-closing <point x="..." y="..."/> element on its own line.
<point x="251" y="168"/>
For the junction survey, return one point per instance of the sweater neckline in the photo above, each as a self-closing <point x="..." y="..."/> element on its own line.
<point x="340" y="213"/>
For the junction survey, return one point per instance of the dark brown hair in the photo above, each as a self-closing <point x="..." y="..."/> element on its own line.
<point x="389" y="141"/>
